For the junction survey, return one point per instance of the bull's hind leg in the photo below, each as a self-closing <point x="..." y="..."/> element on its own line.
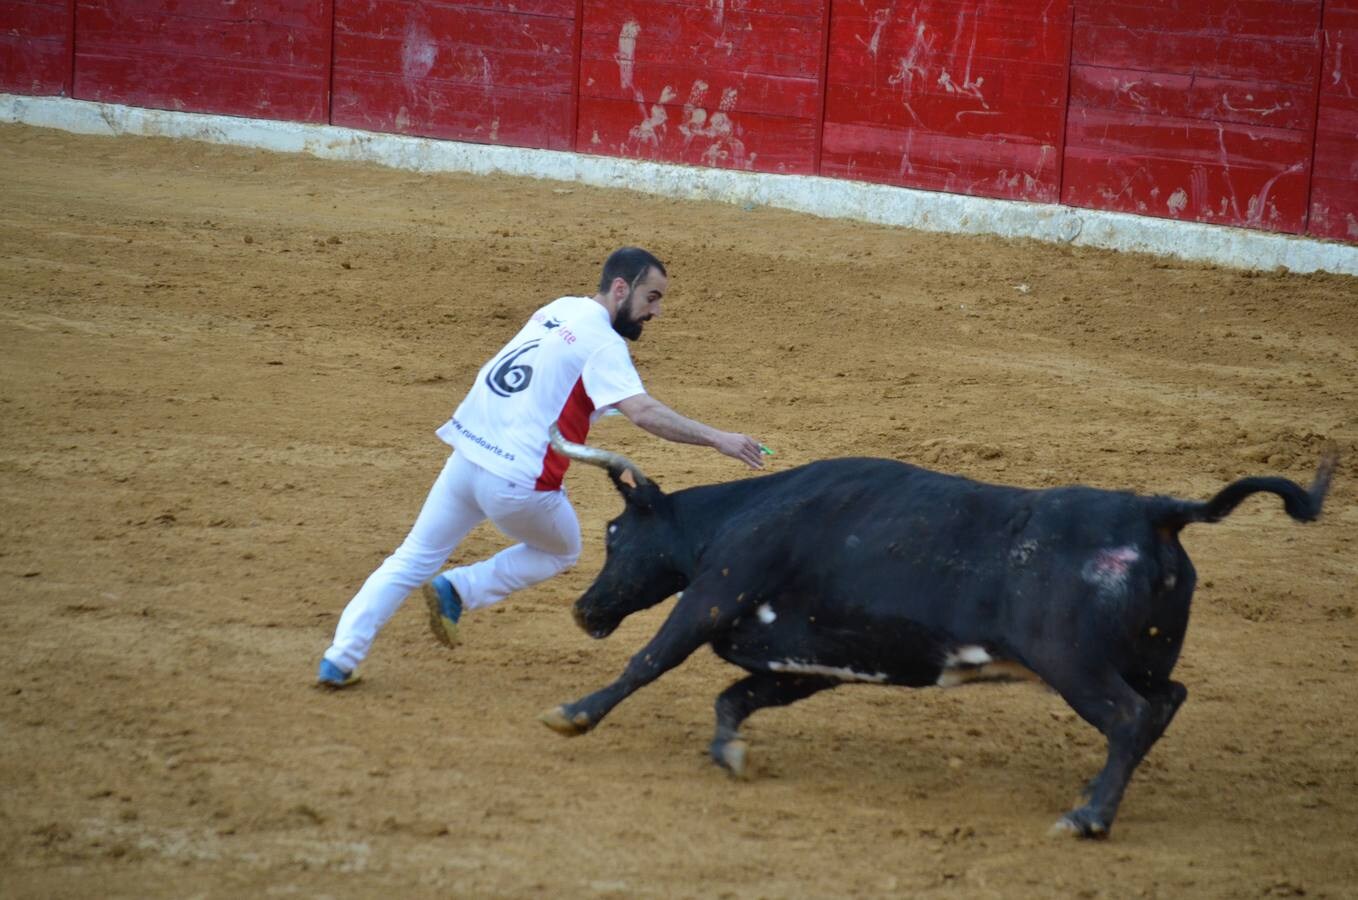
<point x="1131" y="723"/>
<point x="1164" y="702"/>
<point x="740" y="700"/>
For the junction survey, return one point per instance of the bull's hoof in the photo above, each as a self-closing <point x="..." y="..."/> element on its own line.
<point x="731" y="756"/>
<point x="561" y="722"/>
<point x="1080" y="824"/>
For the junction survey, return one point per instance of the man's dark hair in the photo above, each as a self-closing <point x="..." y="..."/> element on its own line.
<point x="628" y="263"/>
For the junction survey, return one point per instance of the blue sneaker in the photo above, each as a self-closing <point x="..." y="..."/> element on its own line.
<point x="332" y="676"/>
<point x="445" y="608"/>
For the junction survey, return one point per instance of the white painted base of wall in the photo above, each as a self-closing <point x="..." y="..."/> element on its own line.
<point x="828" y="197"/>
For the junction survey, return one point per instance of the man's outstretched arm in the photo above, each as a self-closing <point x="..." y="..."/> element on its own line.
<point x="649" y="414"/>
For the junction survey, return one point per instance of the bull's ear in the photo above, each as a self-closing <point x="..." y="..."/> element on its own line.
<point x="642" y="496"/>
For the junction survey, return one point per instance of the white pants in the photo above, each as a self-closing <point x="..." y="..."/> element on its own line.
<point x="463" y="496"/>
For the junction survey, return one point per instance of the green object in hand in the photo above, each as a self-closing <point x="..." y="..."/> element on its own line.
<point x="765" y="450"/>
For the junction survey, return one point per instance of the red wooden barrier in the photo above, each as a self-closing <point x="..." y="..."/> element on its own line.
<point x="966" y="96"/>
<point x="1194" y="109"/>
<point x="35" y="47"/>
<point x="1242" y="112"/>
<point x="725" y="83"/>
<point x="488" y="71"/>
<point x="261" y="58"/>
<point x="1334" y="184"/>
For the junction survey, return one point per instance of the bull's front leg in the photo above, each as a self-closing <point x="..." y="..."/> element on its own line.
<point x="689" y="626"/>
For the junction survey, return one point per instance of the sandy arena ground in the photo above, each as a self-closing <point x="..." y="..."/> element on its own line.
<point x="220" y="372"/>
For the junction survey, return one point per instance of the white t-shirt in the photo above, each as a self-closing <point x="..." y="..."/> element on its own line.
<point x="565" y="366"/>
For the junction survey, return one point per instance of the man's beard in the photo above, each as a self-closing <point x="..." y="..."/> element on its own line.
<point x="624" y="324"/>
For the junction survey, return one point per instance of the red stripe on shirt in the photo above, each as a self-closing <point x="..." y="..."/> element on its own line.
<point x="574" y="425"/>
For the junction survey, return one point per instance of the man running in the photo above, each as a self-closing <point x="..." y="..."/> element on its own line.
<point x="567" y="365"/>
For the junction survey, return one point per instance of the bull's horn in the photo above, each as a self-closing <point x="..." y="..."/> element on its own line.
<point x="604" y="459"/>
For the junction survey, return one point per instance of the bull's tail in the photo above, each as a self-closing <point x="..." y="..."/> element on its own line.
<point x="1302" y="504"/>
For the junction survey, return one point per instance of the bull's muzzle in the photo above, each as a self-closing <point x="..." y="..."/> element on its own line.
<point x="593" y="625"/>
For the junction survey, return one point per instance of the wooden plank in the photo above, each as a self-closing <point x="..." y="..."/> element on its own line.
<point x="263" y="58"/>
<point x="270" y="13"/>
<point x="694" y="85"/>
<point x="1171" y="188"/>
<point x="459" y="25"/>
<point x="1193" y="140"/>
<point x="453" y="63"/>
<point x="878" y="43"/>
<point x="962" y="95"/>
<point x="735" y="15"/>
<point x="941" y="162"/>
<point x="1334" y="184"/>
<point x="726" y="84"/>
<point x="1274" y="60"/>
<point x="1188" y="96"/>
<point x="109" y="27"/>
<point x="577" y="32"/>
<point x="452" y="112"/>
<point x="1188" y="169"/>
<point x="34" y="47"/>
<point x="1270" y="19"/>
<point x="41" y="20"/>
<point x="1199" y="110"/>
<point x="1015" y="119"/>
<point x="655" y="33"/>
<point x="669" y="133"/>
<point x="200" y="85"/>
<point x="479" y="71"/>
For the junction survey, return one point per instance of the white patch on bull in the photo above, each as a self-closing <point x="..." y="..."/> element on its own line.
<point x="970" y="655"/>
<point x="612" y="529"/>
<point x="852" y="541"/>
<point x="798" y="667"/>
<point x="1108" y="569"/>
<point x="766" y="614"/>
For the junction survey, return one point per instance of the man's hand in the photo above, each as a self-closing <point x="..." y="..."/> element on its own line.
<point x="741" y="447"/>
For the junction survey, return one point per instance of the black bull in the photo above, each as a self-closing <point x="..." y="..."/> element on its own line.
<point x="869" y="570"/>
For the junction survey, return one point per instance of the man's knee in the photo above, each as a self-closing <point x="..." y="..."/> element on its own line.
<point x="416" y="561"/>
<point x="572" y="554"/>
<point x="568" y="559"/>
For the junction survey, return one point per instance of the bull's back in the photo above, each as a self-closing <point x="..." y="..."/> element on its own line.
<point x="912" y="556"/>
